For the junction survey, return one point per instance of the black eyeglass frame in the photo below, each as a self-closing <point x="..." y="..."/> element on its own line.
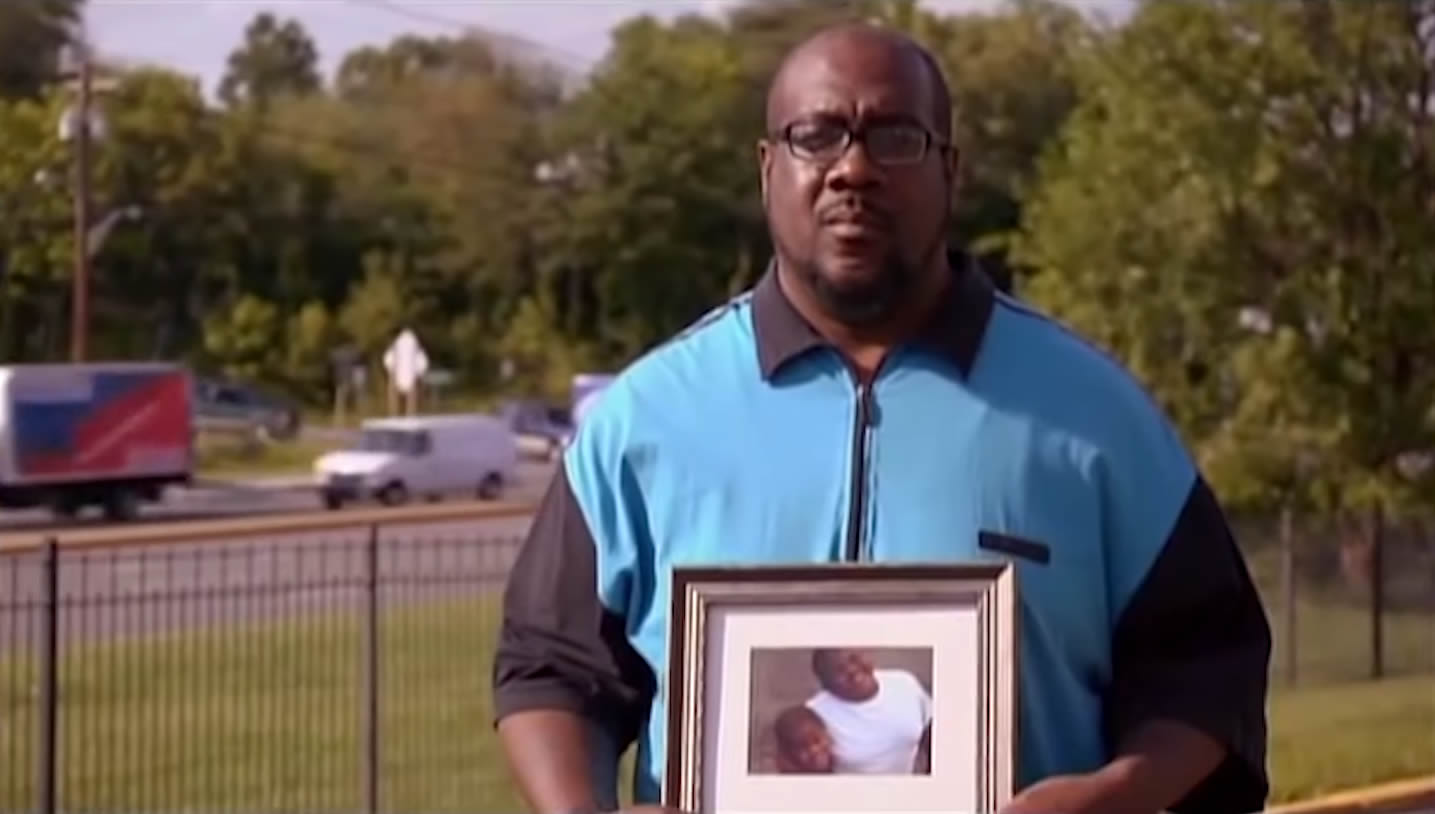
<point x="930" y="140"/>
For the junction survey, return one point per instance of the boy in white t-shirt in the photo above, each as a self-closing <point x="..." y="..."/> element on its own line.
<point x="879" y="721"/>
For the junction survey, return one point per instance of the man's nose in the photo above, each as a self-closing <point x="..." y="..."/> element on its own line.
<point x="854" y="169"/>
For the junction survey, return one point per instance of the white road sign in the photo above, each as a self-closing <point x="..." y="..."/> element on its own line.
<point x="406" y="361"/>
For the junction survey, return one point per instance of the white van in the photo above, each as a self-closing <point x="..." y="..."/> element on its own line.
<point x="428" y="457"/>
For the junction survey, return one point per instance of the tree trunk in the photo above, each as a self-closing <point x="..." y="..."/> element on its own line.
<point x="7" y="315"/>
<point x="1288" y="593"/>
<point x="1377" y="590"/>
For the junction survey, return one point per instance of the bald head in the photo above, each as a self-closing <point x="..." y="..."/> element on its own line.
<point x="846" y="41"/>
<point x="859" y="233"/>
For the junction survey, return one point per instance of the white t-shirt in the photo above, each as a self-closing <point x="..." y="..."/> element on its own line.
<point x="882" y="734"/>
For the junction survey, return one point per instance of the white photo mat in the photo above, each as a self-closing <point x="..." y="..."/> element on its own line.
<point x="965" y="615"/>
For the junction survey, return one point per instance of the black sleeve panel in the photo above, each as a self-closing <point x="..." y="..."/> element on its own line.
<point x="559" y="647"/>
<point x="1194" y="645"/>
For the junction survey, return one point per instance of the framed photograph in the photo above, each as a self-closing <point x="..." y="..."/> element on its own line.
<point x="842" y="688"/>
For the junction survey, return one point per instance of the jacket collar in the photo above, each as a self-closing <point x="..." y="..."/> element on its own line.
<point x="954" y="331"/>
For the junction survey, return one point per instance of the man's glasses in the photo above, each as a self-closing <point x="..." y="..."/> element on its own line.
<point x="889" y="143"/>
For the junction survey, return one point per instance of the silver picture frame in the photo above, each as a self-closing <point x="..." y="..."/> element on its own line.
<point x="742" y="636"/>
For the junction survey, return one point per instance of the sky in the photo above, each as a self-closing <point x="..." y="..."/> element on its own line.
<point x="196" y="36"/>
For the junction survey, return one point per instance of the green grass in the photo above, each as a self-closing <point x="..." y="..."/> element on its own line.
<point x="224" y="457"/>
<point x="266" y="717"/>
<point x="375" y="405"/>
<point x="1325" y="738"/>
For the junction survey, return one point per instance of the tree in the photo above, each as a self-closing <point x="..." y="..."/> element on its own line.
<point x="35" y="243"/>
<point x="33" y="34"/>
<point x="246" y="339"/>
<point x="162" y="157"/>
<point x="658" y="203"/>
<point x="310" y="337"/>
<point x="436" y="143"/>
<point x="276" y="58"/>
<point x="371" y="71"/>
<point x="1012" y="79"/>
<point x="652" y="214"/>
<point x="1234" y="159"/>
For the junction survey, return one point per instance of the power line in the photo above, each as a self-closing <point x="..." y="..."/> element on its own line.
<point x="417" y="15"/>
<point x="426" y="162"/>
<point x="413" y="14"/>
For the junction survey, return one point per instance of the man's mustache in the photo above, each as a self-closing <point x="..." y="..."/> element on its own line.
<point x="856" y="210"/>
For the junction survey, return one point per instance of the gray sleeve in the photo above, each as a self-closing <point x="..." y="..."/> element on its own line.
<point x="558" y="646"/>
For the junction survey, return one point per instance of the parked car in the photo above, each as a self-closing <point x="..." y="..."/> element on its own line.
<point x="226" y="404"/>
<point x="395" y="460"/>
<point x="587" y="388"/>
<point x="542" y="425"/>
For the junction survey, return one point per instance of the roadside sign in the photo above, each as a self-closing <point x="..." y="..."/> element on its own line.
<point x="406" y="361"/>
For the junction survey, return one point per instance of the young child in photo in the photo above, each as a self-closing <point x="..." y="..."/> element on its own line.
<point x="803" y="743"/>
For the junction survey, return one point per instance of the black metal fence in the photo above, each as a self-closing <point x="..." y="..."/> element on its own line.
<point x="347" y="669"/>
<point x="1342" y="608"/>
<point x="343" y="670"/>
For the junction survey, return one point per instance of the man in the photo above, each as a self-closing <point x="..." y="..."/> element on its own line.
<point x="877" y="720"/>
<point x="872" y="400"/>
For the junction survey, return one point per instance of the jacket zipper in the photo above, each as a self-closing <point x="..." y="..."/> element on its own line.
<point x="861" y="424"/>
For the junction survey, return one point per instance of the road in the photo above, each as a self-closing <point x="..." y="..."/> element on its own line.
<point x="227" y="498"/>
<point x="121" y="591"/>
<point x="125" y="590"/>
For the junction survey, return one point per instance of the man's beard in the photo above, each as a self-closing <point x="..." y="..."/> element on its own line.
<point x="875" y="300"/>
<point x="863" y="303"/>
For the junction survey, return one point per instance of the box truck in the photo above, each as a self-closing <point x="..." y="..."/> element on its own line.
<point x="110" y="434"/>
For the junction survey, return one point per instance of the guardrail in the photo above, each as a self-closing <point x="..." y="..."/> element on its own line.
<point x="244" y="663"/>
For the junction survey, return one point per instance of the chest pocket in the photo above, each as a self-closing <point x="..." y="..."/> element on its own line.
<point x="1020" y="547"/>
<point x="1061" y="585"/>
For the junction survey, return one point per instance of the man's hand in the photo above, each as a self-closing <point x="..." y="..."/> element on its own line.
<point x="560" y="760"/>
<point x="1071" y="794"/>
<point x="1157" y="765"/>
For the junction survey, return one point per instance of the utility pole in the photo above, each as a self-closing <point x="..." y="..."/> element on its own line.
<point x="80" y="296"/>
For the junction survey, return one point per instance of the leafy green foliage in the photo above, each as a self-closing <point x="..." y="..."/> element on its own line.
<point x="34" y="246"/>
<point x="1233" y="197"/>
<point x="33" y="35"/>
<point x="277" y="57"/>
<point x="1231" y="161"/>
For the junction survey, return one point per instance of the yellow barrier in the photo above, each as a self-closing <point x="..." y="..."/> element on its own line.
<point x="1418" y="791"/>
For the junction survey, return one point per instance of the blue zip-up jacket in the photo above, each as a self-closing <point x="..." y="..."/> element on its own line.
<point x="996" y="434"/>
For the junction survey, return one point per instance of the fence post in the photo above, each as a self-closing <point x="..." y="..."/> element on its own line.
<point x="1377" y="590"/>
<point x="1289" y="606"/>
<point x="47" y="765"/>
<point x="371" y="671"/>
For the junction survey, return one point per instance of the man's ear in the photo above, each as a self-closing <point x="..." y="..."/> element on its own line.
<point x="952" y="169"/>
<point x="764" y="166"/>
